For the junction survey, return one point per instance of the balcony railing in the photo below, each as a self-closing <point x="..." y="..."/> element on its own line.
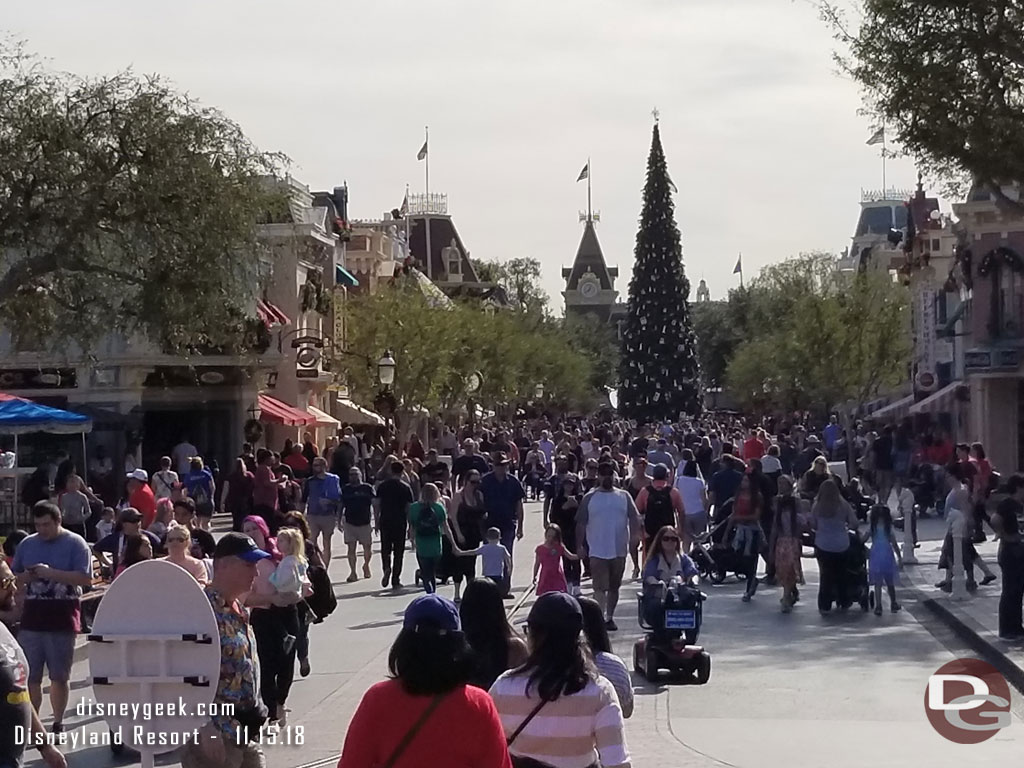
<point x="435" y="204"/>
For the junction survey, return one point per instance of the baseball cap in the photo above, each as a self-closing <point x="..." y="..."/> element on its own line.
<point x="139" y="474"/>
<point x="659" y="472"/>
<point x="130" y="515"/>
<point x="432" y="612"/>
<point x="556" y="610"/>
<point x="239" y="545"/>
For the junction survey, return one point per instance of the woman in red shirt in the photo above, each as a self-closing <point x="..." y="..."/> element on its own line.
<point x="400" y="723"/>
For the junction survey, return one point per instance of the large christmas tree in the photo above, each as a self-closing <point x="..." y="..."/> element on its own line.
<point x="659" y="376"/>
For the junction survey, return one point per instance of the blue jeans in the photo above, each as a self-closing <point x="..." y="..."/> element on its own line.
<point x="428" y="571"/>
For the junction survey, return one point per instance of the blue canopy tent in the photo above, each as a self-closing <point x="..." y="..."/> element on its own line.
<point x="19" y="416"/>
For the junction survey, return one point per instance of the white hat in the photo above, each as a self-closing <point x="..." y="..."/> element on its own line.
<point x="139" y="474"/>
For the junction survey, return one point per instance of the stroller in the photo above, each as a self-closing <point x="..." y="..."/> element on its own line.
<point x="721" y="555"/>
<point x="672" y="616"/>
<point x="855" y="573"/>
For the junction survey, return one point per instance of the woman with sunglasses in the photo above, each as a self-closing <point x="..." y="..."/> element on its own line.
<point x="465" y="517"/>
<point x="665" y="559"/>
<point x="177" y="543"/>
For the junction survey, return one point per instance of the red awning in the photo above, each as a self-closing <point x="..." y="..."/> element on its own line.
<point x="270" y="314"/>
<point x="273" y="411"/>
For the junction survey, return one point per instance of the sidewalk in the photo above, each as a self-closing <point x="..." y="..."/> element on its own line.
<point x="974" y="620"/>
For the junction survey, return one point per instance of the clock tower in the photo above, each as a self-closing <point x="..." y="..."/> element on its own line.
<point x="590" y="282"/>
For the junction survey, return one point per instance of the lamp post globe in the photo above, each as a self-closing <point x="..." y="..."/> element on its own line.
<point x="539" y="391"/>
<point x="386" y="369"/>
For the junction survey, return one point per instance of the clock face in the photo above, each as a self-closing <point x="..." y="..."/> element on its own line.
<point x="589" y="289"/>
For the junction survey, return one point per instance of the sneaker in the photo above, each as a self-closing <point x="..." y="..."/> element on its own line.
<point x="896" y="608"/>
<point x="304" y="669"/>
<point x="386" y="579"/>
<point x="878" y="610"/>
<point x="746" y="597"/>
<point x="988" y="579"/>
<point x="352" y="578"/>
<point x="611" y="626"/>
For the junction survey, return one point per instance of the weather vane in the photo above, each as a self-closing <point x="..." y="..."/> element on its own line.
<point x="655" y="114"/>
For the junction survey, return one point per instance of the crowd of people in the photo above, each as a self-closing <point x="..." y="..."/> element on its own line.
<point x="618" y="498"/>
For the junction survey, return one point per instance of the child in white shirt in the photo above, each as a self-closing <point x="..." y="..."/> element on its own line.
<point x="105" y="526"/>
<point x="495" y="559"/>
<point x="289" y="578"/>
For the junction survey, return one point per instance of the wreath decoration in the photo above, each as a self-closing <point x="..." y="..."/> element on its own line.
<point x="253" y="430"/>
<point x="1001" y="256"/>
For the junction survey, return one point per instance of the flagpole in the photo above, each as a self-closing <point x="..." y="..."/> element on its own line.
<point x="426" y="212"/>
<point x="741" y="269"/>
<point x="408" y="244"/>
<point x="590" y="210"/>
<point x="883" y="162"/>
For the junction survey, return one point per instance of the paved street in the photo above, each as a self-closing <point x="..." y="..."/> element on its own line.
<point x="801" y="689"/>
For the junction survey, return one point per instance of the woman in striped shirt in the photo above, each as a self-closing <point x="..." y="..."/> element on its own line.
<point x="556" y="709"/>
<point x="610" y="666"/>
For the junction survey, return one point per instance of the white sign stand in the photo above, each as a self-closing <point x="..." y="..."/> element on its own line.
<point x="155" y="658"/>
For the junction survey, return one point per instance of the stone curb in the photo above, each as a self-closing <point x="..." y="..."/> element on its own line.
<point x="978" y="642"/>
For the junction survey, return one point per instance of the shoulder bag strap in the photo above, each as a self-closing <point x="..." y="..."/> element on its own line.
<point x="526" y="722"/>
<point x="411" y="733"/>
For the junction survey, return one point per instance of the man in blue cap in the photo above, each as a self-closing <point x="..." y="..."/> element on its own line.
<point x="234" y="568"/>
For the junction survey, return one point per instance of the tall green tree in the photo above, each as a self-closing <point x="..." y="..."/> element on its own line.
<point x="594" y="338"/>
<point x="124" y="207"/>
<point x="947" y="79"/>
<point x="659" y="370"/>
<point x="820" y="337"/>
<point x="520" y="277"/>
<point x="437" y="349"/>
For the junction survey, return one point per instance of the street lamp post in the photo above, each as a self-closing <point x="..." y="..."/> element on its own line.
<point x="473" y="382"/>
<point x="385" y="400"/>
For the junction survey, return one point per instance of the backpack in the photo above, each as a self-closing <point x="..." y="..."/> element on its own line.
<point x="659" y="511"/>
<point x="323" y="601"/>
<point x="426" y="522"/>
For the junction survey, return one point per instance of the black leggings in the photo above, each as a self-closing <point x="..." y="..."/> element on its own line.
<point x="277" y="655"/>
<point x="833" y="582"/>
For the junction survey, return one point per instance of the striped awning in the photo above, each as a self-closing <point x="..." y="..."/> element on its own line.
<point x="270" y="313"/>
<point x="938" y="402"/>
<point x="895" y="410"/>
<point x="273" y="411"/>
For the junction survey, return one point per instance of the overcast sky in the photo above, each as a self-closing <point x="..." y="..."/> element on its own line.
<point x="763" y="139"/>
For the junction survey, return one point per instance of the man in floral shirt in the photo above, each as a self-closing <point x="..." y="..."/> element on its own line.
<point x="234" y="568"/>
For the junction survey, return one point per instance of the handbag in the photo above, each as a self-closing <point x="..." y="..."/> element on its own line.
<point x="411" y="733"/>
